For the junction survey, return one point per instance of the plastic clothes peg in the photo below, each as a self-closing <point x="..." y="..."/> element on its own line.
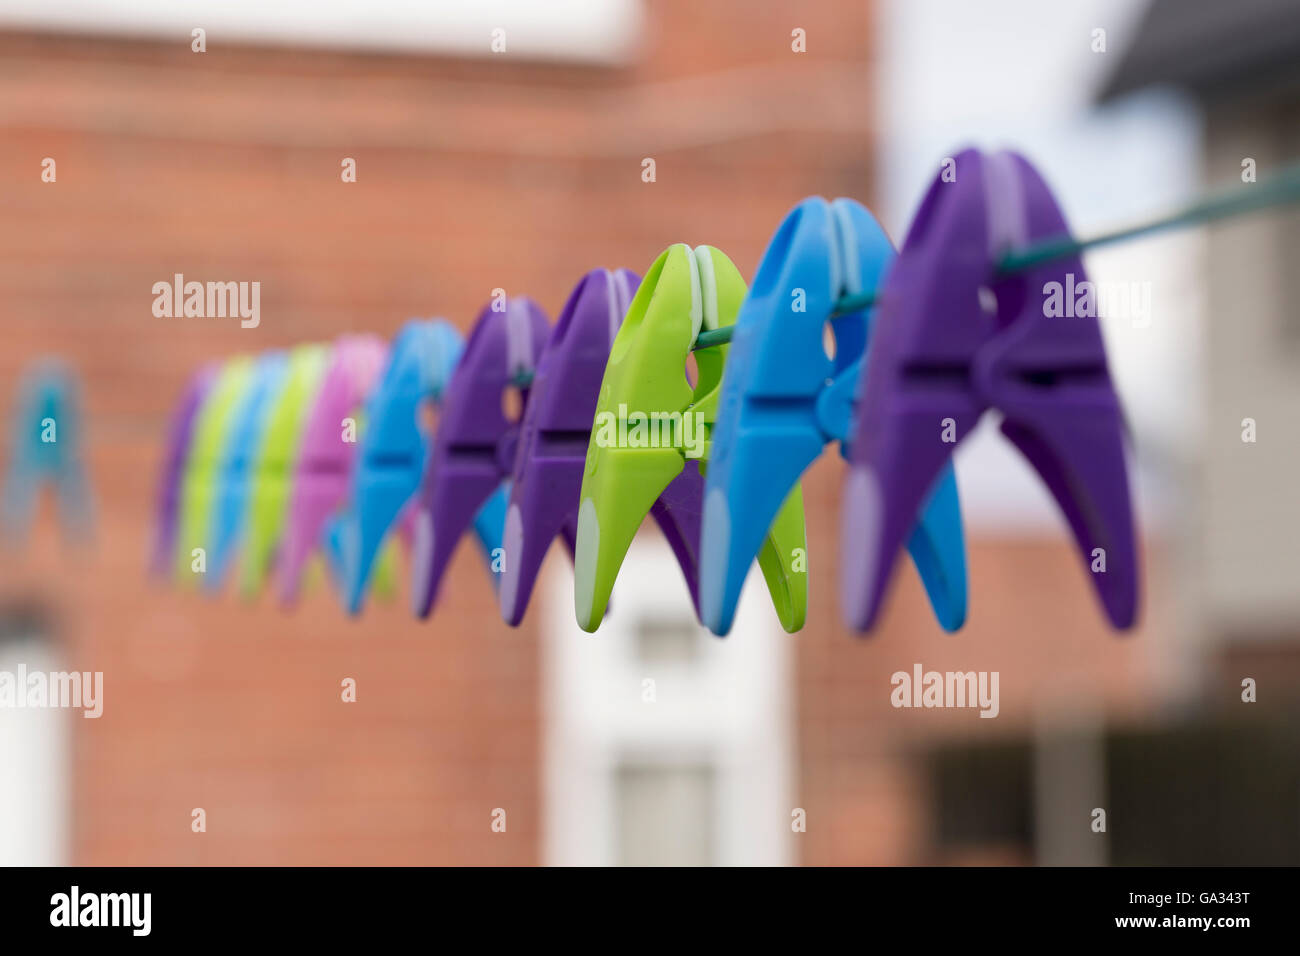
<point x="274" y="462"/>
<point x="941" y="357"/>
<point x="198" y="483"/>
<point x="47" y="447"/>
<point x="328" y="450"/>
<point x="651" y="428"/>
<point x="783" y="400"/>
<point x="235" y="468"/>
<point x="555" y="429"/>
<point x="180" y="434"/>
<point x="393" y="453"/>
<point x="474" y="448"/>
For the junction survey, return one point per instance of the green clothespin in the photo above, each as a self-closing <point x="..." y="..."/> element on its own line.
<point x="650" y="425"/>
<point x="198" y="486"/>
<point x="273" y="464"/>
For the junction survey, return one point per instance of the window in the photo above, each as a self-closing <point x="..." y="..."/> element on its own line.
<point x="665" y="815"/>
<point x="665" y="640"/>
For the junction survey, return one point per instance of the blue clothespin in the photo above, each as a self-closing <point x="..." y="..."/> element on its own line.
<point x="47" y="447"/>
<point x="235" y="468"/>
<point x="393" y="454"/>
<point x="783" y="399"/>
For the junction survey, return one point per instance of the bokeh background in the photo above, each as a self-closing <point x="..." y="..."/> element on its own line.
<point x="522" y="170"/>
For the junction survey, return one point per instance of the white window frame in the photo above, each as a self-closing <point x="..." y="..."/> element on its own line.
<point x="730" y="708"/>
<point x="35" y="746"/>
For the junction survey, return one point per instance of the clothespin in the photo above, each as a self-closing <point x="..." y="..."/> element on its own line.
<point x="393" y="453"/>
<point x="474" y="448"/>
<point x="783" y="399"/>
<point x="199" y="479"/>
<point x="956" y="337"/>
<point x="180" y="435"/>
<point x="555" y="430"/>
<point x="274" y="461"/>
<point x="235" y="467"/>
<point x="652" y="428"/>
<point x="47" y="447"/>
<point x="328" y="449"/>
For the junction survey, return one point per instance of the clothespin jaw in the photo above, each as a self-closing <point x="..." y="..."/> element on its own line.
<point x="202" y="465"/>
<point x="392" y="452"/>
<point x="940" y="359"/>
<point x="474" y="448"/>
<point x="328" y="450"/>
<point x="47" y="447"/>
<point x="784" y="399"/>
<point x="235" y="470"/>
<point x="629" y="468"/>
<point x="274" y="462"/>
<point x="180" y="435"/>
<point x="555" y="429"/>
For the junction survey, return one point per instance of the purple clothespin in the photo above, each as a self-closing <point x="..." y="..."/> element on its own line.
<point x="940" y="358"/>
<point x="474" y="448"/>
<point x="320" y="480"/>
<point x="179" y="433"/>
<point x="555" y="430"/>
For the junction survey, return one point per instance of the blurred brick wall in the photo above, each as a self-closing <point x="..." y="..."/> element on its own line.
<point x="1033" y="618"/>
<point x="472" y="175"/>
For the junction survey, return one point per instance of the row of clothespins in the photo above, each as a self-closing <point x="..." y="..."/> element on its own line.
<point x="267" y="455"/>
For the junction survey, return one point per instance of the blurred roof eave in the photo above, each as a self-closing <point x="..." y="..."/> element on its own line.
<point x="1211" y="49"/>
<point x="564" y="32"/>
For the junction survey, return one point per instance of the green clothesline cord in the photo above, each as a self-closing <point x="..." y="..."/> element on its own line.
<point x="1278" y="190"/>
